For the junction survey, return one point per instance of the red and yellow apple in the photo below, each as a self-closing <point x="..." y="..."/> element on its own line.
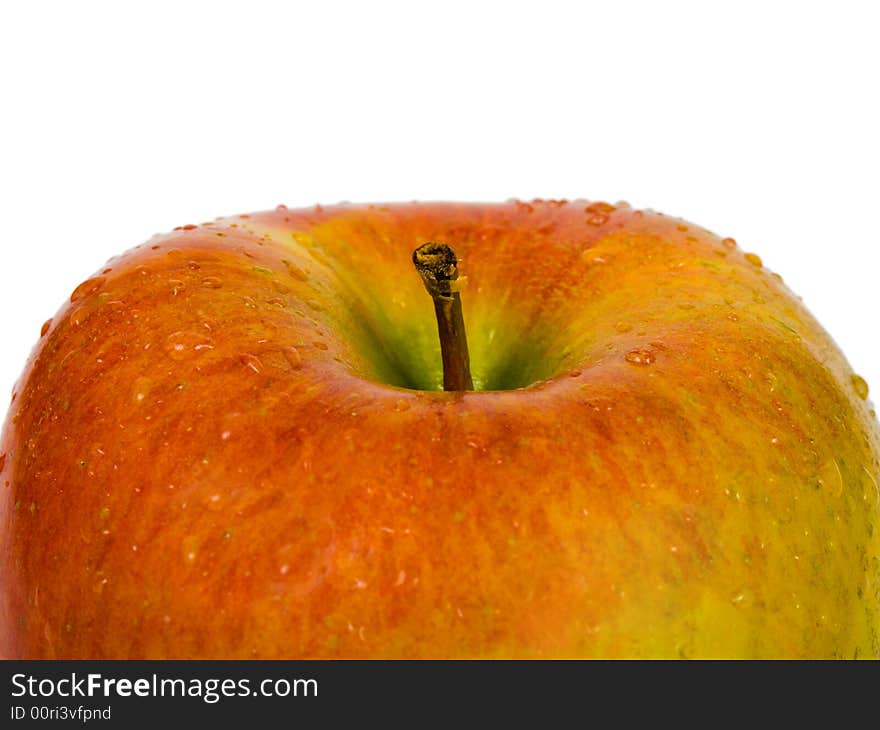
<point x="233" y="442"/>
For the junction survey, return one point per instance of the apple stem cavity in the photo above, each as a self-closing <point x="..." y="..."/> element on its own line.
<point x="437" y="264"/>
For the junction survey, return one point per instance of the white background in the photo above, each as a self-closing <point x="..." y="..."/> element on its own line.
<point x="757" y="120"/>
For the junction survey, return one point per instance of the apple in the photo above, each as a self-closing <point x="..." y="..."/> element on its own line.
<point x="234" y="441"/>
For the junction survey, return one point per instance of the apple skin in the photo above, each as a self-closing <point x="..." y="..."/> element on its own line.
<point x="211" y="453"/>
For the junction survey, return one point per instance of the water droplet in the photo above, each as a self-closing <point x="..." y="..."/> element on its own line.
<point x="103" y="513"/>
<point x="640" y="357"/>
<point x="252" y="362"/>
<point x="860" y="385"/>
<point x="591" y="257"/>
<point x="402" y="405"/>
<point x="830" y="477"/>
<point x="623" y="327"/>
<point x="2" y="461"/>
<point x="597" y="219"/>
<point x="753" y="259"/>
<point x="291" y="354"/>
<point x="574" y="373"/>
<point x="211" y="282"/>
<point x="83" y="311"/>
<point x="870" y="488"/>
<point x="320" y="345"/>
<point x="89" y="286"/>
<point x="140" y="388"/>
<point x="728" y="242"/>
<point x="303" y="239"/>
<point x="190" y="547"/>
<point x="295" y="271"/>
<point x="180" y="345"/>
<point x="45" y="328"/>
<point x="600" y="207"/>
<point x="682" y="228"/>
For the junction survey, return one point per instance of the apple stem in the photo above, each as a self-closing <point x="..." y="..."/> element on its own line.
<point x="437" y="264"/>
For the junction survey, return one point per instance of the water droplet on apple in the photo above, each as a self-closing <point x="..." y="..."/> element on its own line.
<point x="728" y="242"/>
<point x="870" y="488"/>
<point x="574" y="373"/>
<point x="292" y="356"/>
<point x="89" y="286"/>
<point x="830" y="477"/>
<point x="190" y="548"/>
<point x="753" y="259"/>
<point x="860" y="385"/>
<point x="252" y="362"/>
<point x="45" y="328"/>
<point x="640" y="357"/>
<point x="597" y="219"/>
<point x="2" y="462"/>
<point x="320" y="345"/>
<point x="295" y="271"/>
<point x="140" y="388"/>
<point x="623" y="327"/>
<point x="211" y="282"/>
<point x="180" y="345"/>
<point x="600" y="207"/>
